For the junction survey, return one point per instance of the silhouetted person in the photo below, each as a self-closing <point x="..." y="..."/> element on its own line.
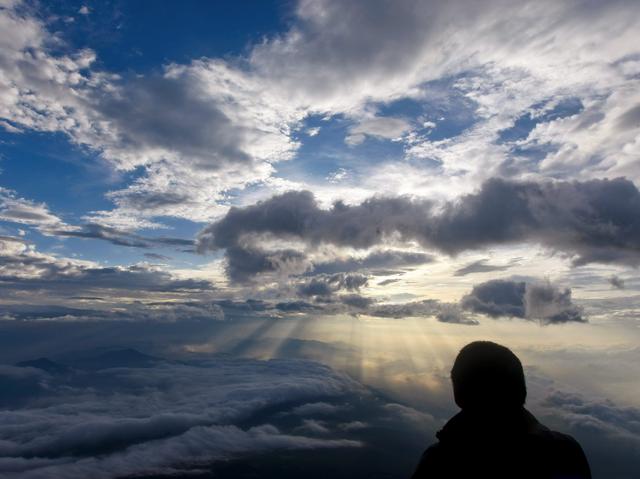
<point x="494" y="436"/>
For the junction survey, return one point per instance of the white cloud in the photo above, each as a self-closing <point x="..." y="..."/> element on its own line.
<point x="379" y="127"/>
<point x="22" y="211"/>
<point x="225" y="125"/>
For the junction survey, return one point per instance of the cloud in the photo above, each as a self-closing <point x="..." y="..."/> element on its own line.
<point x="535" y="301"/>
<point x="314" y="427"/>
<point x="243" y="264"/>
<point x="378" y="127"/>
<point x="322" y="285"/>
<point x="443" y="312"/>
<point x="616" y="282"/>
<point x="214" y="130"/>
<point x="157" y="257"/>
<point x="481" y="266"/>
<point x="374" y="262"/>
<point x="230" y="121"/>
<point x="318" y="408"/>
<point x="497" y="298"/>
<point x="119" y="237"/>
<point x="198" y="405"/>
<point x="24" y="269"/>
<point x="167" y="114"/>
<point x="22" y="211"/>
<point x="593" y="221"/>
<point x="594" y="421"/>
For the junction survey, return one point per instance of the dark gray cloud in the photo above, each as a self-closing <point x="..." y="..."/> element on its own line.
<point x="593" y="221"/>
<point x="243" y="263"/>
<point x="481" y="266"/>
<point x="24" y="269"/>
<point x="443" y="312"/>
<point x="374" y="262"/>
<point x="356" y="301"/>
<point x="616" y="281"/>
<point x="327" y="285"/>
<point x="535" y="301"/>
<point x="120" y="237"/>
<point x="156" y="256"/>
<point x="156" y="312"/>
<point x="497" y="298"/>
<point x="169" y="113"/>
<point x="297" y="306"/>
<point x="69" y="279"/>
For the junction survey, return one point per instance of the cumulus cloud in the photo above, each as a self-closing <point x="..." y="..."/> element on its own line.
<point x="244" y="263"/>
<point x="593" y="221"/>
<point x="535" y="301"/>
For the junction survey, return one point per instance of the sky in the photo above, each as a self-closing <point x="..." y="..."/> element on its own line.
<point x="264" y="229"/>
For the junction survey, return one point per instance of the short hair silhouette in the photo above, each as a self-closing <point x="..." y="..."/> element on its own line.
<point x="486" y="375"/>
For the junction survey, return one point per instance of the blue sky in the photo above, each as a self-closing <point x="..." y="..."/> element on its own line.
<point x="393" y="170"/>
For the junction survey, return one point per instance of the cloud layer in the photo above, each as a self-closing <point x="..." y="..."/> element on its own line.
<point x="63" y="427"/>
<point x="594" y="221"/>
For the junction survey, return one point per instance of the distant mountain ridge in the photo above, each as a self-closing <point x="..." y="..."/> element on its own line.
<point x="45" y="364"/>
<point x="117" y="358"/>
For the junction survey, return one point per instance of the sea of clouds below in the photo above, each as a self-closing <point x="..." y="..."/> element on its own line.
<point x="107" y="413"/>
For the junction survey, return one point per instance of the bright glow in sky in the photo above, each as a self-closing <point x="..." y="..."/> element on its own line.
<point x="367" y="184"/>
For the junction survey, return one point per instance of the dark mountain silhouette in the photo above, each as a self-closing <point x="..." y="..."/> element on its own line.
<point x="118" y="358"/>
<point x="45" y="364"/>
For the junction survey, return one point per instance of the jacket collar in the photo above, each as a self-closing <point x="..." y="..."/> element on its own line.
<point x="466" y="426"/>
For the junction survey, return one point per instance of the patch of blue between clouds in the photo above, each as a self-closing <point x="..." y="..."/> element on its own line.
<point x="448" y="107"/>
<point x="72" y="182"/>
<point x="323" y="154"/>
<point x="149" y="33"/>
<point x="46" y="167"/>
<point x="526" y="158"/>
<point x="528" y="121"/>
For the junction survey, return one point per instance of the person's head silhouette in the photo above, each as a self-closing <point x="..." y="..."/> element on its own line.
<point x="494" y="435"/>
<point x="488" y="376"/>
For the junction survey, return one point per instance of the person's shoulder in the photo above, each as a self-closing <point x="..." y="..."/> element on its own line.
<point x="563" y="440"/>
<point x="430" y="462"/>
<point x="568" y="454"/>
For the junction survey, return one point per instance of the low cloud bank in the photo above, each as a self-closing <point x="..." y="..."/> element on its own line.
<point x="591" y="221"/>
